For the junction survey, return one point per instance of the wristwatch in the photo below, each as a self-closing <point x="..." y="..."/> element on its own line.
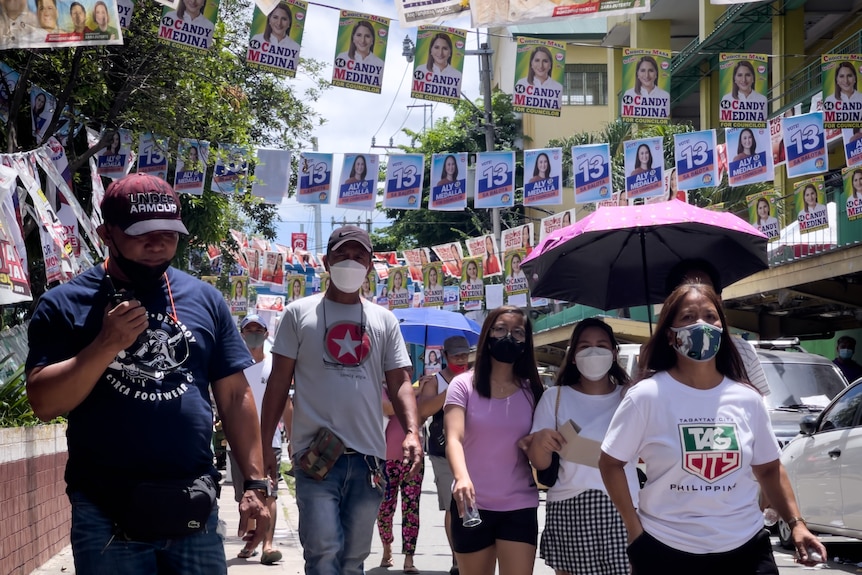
<point x="258" y="485"/>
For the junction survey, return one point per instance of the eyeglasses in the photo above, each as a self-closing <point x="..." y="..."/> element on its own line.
<point x="500" y="331"/>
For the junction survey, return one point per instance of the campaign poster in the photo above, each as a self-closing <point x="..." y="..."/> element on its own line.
<point x="831" y="134"/>
<point x="842" y="101"/>
<point x="267" y="302"/>
<point x="763" y="213"/>
<point x="412" y="13"/>
<point x="189" y="27"/>
<point x="543" y="170"/>
<point x="644" y="168"/>
<point x="358" y="187"/>
<point x="8" y="84"/>
<point x="852" y="139"/>
<point x="539" y="74"/>
<point x="415" y="259"/>
<point x="360" y="51"/>
<point x="238" y="300"/>
<point x="396" y="284"/>
<point x="252" y="258"/>
<point x="556" y="221"/>
<point x="810" y="196"/>
<point x="83" y="23"/>
<point x="231" y="168"/>
<point x="432" y="280"/>
<point x="405" y="178"/>
<point x="112" y="159"/>
<point x="41" y="111"/>
<point x="438" y="64"/>
<point x="742" y="79"/>
<point x="125" y="8"/>
<point x="315" y="178"/>
<point x="153" y="155"/>
<point x="853" y="192"/>
<point x="496" y="13"/>
<point x="495" y="180"/>
<point x="515" y="281"/>
<point x="591" y="168"/>
<point x="451" y="298"/>
<point x="520" y="237"/>
<point x="295" y="286"/>
<point x="192" y="158"/>
<point x="369" y="287"/>
<point x="646" y="81"/>
<point x="433" y="359"/>
<point x="271" y="175"/>
<point x="485" y="248"/>
<point x="749" y="156"/>
<point x="273" y="271"/>
<point x="472" y="286"/>
<point x="451" y="255"/>
<point x="695" y="160"/>
<point x="448" y="182"/>
<point x="275" y="37"/>
<point x="805" y="144"/>
<point x="298" y="241"/>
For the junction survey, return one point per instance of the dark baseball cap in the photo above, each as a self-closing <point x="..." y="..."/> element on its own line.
<point x="140" y="203"/>
<point x="345" y="234"/>
<point x="456" y="345"/>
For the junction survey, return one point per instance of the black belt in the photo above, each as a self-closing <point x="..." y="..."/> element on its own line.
<point x="348" y="451"/>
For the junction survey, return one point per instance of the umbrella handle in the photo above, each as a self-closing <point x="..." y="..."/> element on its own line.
<point x="646" y="278"/>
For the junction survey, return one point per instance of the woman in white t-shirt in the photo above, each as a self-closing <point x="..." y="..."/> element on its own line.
<point x="704" y="435"/>
<point x="580" y="518"/>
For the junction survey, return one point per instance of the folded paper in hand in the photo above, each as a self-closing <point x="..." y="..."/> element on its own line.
<point x="579" y="449"/>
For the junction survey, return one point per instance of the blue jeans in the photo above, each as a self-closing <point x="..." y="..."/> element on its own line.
<point x="98" y="552"/>
<point x="336" y="516"/>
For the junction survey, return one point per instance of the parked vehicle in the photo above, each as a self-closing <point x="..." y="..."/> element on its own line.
<point x="824" y="465"/>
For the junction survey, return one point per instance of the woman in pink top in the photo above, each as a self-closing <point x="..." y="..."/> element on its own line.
<point x="488" y="416"/>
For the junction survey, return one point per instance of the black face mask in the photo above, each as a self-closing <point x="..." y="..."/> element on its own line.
<point x="506" y="349"/>
<point x="139" y="275"/>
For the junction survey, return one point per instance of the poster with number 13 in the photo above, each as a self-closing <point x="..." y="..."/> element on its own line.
<point x="695" y="160"/>
<point x="495" y="180"/>
<point x="805" y="144"/>
<point x="404" y="179"/>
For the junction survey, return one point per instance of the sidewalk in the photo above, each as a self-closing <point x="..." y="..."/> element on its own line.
<point x="432" y="553"/>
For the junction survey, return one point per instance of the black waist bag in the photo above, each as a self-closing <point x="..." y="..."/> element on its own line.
<point x="166" y="509"/>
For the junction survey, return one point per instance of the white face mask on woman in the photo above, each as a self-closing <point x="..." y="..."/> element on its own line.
<point x="348" y="275"/>
<point x="594" y="362"/>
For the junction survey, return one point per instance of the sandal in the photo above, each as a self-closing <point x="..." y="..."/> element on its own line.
<point x="387" y="562"/>
<point x="270" y="557"/>
<point x="410" y="570"/>
<point x="247" y="553"/>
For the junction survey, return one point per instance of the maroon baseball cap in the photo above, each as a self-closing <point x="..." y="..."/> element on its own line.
<point x="140" y="203"/>
<point x="346" y="234"/>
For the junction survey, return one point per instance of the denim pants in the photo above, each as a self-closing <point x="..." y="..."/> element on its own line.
<point x="98" y="552"/>
<point x="337" y="514"/>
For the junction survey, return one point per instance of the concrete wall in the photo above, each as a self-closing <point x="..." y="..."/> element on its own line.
<point x="35" y="516"/>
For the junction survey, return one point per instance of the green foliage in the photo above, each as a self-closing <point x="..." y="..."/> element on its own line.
<point x="15" y="410"/>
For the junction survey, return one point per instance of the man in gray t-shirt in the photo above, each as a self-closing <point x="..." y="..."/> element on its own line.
<point x="338" y="349"/>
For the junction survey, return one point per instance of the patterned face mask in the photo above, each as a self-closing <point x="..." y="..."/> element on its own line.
<point x="698" y="341"/>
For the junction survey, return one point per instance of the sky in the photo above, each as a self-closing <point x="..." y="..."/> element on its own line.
<point x="353" y="117"/>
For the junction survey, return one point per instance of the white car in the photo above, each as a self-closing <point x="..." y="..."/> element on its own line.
<point x="825" y="468"/>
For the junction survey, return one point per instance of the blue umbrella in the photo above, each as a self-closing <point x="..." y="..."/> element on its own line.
<point x="430" y="326"/>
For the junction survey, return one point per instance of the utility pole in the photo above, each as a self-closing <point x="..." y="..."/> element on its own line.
<point x="318" y="232"/>
<point x="424" y="107"/>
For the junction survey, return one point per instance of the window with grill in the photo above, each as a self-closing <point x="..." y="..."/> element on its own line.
<point x="586" y="85"/>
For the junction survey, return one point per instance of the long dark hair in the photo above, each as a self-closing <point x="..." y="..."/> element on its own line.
<point x="850" y="67"/>
<point x="439" y="36"/>
<point x="645" y="60"/>
<point x="361" y="24"/>
<point x="539" y="50"/>
<point x="569" y="374"/>
<point x="743" y="64"/>
<point x="524" y="368"/>
<point x="657" y="355"/>
<point x="740" y="148"/>
<point x="267" y="32"/>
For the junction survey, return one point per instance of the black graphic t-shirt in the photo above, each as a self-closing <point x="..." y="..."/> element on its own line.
<point x="149" y="416"/>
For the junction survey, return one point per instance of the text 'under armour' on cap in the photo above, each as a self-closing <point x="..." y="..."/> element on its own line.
<point x="140" y="203"/>
<point x="345" y="234"/>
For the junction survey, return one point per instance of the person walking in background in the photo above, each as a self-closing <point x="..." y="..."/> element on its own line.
<point x="584" y="533"/>
<point x="456" y="352"/>
<point x="704" y="434"/>
<point x="488" y="416"/>
<point x="845" y="347"/>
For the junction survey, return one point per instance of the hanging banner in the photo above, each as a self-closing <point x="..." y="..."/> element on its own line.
<point x="8" y="84"/>
<point x="438" y="64"/>
<point x="298" y="241"/>
<point x="810" y="197"/>
<point x="451" y="256"/>
<point x="358" y="189"/>
<point x="831" y="134"/>
<point x="543" y="187"/>
<point x="696" y="165"/>
<point x="515" y="280"/>
<point x="415" y="260"/>
<point x="399" y="296"/>
<point x="496" y="13"/>
<point x="190" y="26"/>
<point x="230" y="169"/>
<point x="14" y="287"/>
<point x="153" y="155"/>
<point x="842" y="101"/>
<point x="646" y="81"/>
<point x="61" y="28"/>
<point x="125" y="8"/>
<point x="266" y="302"/>
<point x="539" y="72"/>
<point x="272" y="176"/>
<point x="451" y="298"/>
<point x="472" y="286"/>
<point x="252" y="258"/>
<point x="275" y="38"/>
<point x="295" y="287"/>
<point x="671" y="188"/>
<point x="805" y="144"/>
<point x="192" y="158"/>
<point x="450" y="191"/>
<point x="360" y="51"/>
<point x="405" y="178"/>
<point x="369" y="286"/>
<point x="644" y="167"/>
<point x="749" y="157"/>
<point x="315" y="178"/>
<point x="432" y="280"/>
<point x="112" y="159"/>
<point x="852" y="139"/>
<point x="238" y="300"/>
<point x="853" y="192"/>
<point x="412" y="13"/>
<point x="762" y="213"/>
<point x="41" y="111"/>
<point x="273" y="271"/>
<point x="495" y="180"/>
<point x="520" y="237"/>
<point x="554" y="222"/>
<point x="742" y="78"/>
<point x="776" y="132"/>
<point x="485" y="248"/>
<point x="591" y="167"/>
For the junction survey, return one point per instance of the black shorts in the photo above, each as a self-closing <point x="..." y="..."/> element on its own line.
<point x="520" y="525"/>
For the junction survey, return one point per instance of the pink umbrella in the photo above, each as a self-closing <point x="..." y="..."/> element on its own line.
<point x="621" y="256"/>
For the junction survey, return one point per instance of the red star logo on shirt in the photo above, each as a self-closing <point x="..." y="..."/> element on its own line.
<point x="347" y="343"/>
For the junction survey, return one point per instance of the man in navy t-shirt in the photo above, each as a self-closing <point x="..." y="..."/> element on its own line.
<point x="130" y="350"/>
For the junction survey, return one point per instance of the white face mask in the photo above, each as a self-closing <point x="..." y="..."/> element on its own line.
<point x="594" y="362"/>
<point x="348" y="275"/>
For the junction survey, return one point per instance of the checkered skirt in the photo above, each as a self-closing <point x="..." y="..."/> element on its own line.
<point x="585" y="535"/>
